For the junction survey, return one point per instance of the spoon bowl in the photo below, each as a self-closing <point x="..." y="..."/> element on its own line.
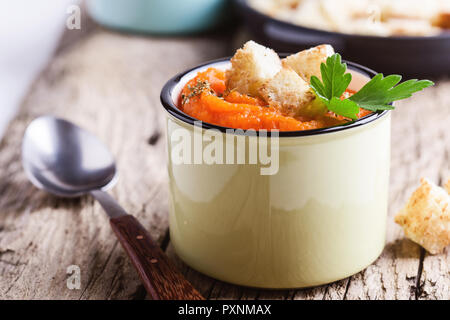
<point x="65" y="160"/>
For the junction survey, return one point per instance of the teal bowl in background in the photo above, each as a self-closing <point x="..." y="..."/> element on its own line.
<point x="160" y="16"/>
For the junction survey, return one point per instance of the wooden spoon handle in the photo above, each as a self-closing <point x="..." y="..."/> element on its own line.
<point x="160" y="277"/>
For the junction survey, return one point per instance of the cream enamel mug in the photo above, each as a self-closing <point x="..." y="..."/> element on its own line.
<point x="319" y="218"/>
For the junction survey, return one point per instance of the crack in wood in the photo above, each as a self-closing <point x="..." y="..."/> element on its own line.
<point x="325" y="293"/>
<point x="15" y="281"/>
<point x="94" y="278"/>
<point x="11" y="263"/>
<point x="113" y="280"/>
<point x="5" y="251"/>
<point x="210" y="291"/>
<point x="347" y="286"/>
<point x="166" y="240"/>
<point x="139" y="294"/>
<point x="418" y="290"/>
<point x="154" y="138"/>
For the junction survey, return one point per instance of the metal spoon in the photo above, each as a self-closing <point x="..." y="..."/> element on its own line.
<point x="65" y="160"/>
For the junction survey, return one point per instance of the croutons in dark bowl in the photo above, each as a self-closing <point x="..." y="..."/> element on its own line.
<point x="410" y="56"/>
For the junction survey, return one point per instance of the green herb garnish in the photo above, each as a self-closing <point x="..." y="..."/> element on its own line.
<point x="376" y="95"/>
<point x="200" y="86"/>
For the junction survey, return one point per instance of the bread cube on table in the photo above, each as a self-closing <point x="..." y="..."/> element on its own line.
<point x="251" y="66"/>
<point x="442" y="20"/>
<point x="426" y="217"/>
<point x="307" y="63"/>
<point x="287" y="91"/>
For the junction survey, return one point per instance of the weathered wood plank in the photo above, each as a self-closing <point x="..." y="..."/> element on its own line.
<point x="108" y="83"/>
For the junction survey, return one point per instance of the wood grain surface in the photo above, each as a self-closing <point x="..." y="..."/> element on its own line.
<point x="109" y="83"/>
<point x="161" y="279"/>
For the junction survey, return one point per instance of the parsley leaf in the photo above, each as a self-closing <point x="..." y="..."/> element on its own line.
<point x="335" y="82"/>
<point x="346" y="108"/>
<point x="379" y="92"/>
<point x="334" y="78"/>
<point x="376" y="95"/>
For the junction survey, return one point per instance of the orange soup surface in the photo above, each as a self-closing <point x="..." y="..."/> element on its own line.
<point x="205" y="98"/>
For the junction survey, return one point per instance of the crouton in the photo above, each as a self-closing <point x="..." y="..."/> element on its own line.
<point x="426" y="217"/>
<point x="408" y="9"/>
<point x="411" y="27"/>
<point x="307" y="63"/>
<point x="250" y="67"/>
<point x="447" y="186"/>
<point x="287" y="91"/>
<point x="442" y="20"/>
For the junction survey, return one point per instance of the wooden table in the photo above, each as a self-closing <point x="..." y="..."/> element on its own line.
<point x="109" y="83"/>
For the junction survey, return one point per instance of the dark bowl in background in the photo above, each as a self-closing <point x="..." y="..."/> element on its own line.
<point x="409" y="56"/>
